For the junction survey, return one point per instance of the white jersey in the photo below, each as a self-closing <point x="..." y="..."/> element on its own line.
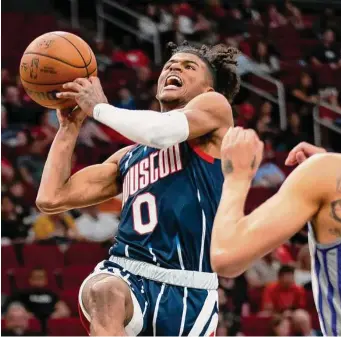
<point x="326" y="283"/>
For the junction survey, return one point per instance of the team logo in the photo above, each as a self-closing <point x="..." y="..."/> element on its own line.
<point x="34" y="68"/>
<point x="24" y="66"/>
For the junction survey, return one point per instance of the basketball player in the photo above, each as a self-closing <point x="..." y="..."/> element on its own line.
<point x="158" y="279"/>
<point x="312" y="192"/>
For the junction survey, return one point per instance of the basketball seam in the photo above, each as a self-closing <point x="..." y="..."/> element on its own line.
<point x="80" y="54"/>
<point x="54" y="58"/>
<point x="52" y="83"/>
<point x="59" y="102"/>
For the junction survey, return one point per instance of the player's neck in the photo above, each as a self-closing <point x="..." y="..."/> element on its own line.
<point x="169" y="106"/>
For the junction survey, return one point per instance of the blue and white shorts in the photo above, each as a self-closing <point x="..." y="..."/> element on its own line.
<point x="167" y="302"/>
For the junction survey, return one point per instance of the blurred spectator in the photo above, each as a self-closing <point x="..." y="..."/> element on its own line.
<point x="284" y="294"/>
<point x="91" y="131"/>
<point x="293" y="135"/>
<point x="31" y="165"/>
<point x="305" y="94"/>
<point x="12" y="220"/>
<point x="327" y="52"/>
<point x="265" y="59"/>
<point x="5" y="77"/>
<point x="303" y="271"/>
<point x="293" y="15"/>
<point x="250" y="13"/>
<point x="276" y="19"/>
<point x="96" y="226"/>
<point x="269" y="174"/>
<point x="7" y="170"/>
<point x="103" y="54"/>
<point x="265" y="124"/>
<point x="55" y="228"/>
<point x="246" y="114"/>
<point x="17" y="321"/>
<point x="126" y="99"/>
<point x="332" y="97"/>
<point x="42" y="302"/>
<point x="234" y="25"/>
<point x="262" y="272"/>
<point x="328" y="20"/>
<point x="280" y="326"/>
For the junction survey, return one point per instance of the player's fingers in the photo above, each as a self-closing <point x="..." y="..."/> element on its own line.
<point x="72" y="86"/>
<point x="300" y="157"/>
<point x="64" y="95"/>
<point x="291" y="159"/>
<point x="83" y="82"/>
<point x="94" y="80"/>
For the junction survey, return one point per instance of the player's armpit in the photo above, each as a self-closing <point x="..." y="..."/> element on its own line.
<point x="238" y="241"/>
<point x="206" y="113"/>
<point x="89" y="186"/>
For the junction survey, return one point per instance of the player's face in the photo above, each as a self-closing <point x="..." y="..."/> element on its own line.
<point x="183" y="77"/>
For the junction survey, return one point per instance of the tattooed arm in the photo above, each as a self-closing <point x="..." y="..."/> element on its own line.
<point x="238" y="240"/>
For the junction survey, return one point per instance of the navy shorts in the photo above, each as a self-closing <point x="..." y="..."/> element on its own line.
<point x="162" y="309"/>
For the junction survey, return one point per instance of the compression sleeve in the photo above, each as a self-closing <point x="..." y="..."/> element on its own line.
<point x="151" y="128"/>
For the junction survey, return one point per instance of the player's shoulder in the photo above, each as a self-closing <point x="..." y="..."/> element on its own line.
<point x="212" y="100"/>
<point x="323" y="162"/>
<point x="117" y="156"/>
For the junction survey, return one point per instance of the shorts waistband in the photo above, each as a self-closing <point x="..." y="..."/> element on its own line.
<point x="176" y="277"/>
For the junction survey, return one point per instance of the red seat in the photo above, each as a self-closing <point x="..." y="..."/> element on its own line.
<point x="85" y="254"/>
<point x="263" y="84"/>
<point x="21" y="278"/>
<point x="33" y="325"/>
<point x="8" y="258"/>
<point x="255" y="296"/>
<point x="70" y="297"/>
<point x="5" y="283"/>
<point x="325" y="75"/>
<point x="73" y="276"/>
<point x="255" y="326"/>
<point x="45" y="256"/>
<point x="256" y="197"/>
<point x="66" y="327"/>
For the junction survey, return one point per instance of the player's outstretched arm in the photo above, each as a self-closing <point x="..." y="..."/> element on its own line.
<point x="59" y="191"/>
<point x="238" y="240"/>
<point x="203" y="114"/>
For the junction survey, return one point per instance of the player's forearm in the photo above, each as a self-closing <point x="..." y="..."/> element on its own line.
<point x="151" y="128"/>
<point x="227" y="242"/>
<point x="57" y="169"/>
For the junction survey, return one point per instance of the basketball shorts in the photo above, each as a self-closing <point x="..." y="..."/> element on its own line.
<point x="166" y="302"/>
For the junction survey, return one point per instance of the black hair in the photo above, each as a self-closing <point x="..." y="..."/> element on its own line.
<point x="286" y="269"/>
<point x="222" y="63"/>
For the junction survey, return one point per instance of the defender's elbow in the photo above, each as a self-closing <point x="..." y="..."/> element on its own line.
<point x="47" y="205"/>
<point x="225" y="265"/>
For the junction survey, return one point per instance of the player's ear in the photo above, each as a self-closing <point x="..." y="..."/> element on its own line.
<point x="210" y="89"/>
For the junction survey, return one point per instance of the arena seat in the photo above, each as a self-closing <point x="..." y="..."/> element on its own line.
<point x="46" y="256"/>
<point x="255" y="326"/>
<point x="325" y="75"/>
<point x="21" y="276"/>
<point x="66" y="327"/>
<point x="255" y="296"/>
<point x="8" y="258"/>
<point x="5" y="283"/>
<point x="85" y="254"/>
<point x="33" y="325"/>
<point x="70" y="297"/>
<point x="73" y="276"/>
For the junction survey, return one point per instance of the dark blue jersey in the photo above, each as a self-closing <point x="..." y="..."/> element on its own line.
<point x="170" y="198"/>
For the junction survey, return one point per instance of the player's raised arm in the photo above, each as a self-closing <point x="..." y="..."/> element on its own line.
<point x="59" y="191"/>
<point x="194" y="91"/>
<point x="238" y="240"/>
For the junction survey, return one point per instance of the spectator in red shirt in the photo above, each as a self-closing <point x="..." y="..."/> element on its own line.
<point x="284" y="296"/>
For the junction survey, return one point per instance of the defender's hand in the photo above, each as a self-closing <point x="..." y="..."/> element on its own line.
<point x="74" y="117"/>
<point x="301" y="152"/>
<point x="86" y="92"/>
<point x="241" y="153"/>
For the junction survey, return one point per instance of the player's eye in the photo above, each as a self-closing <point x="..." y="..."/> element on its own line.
<point x="188" y="66"/>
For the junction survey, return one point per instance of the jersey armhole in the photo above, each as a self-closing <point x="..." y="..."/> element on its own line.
<point x="202" y="154"/>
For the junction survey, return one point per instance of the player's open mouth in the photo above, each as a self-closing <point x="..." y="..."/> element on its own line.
<point x="173" y="82"/>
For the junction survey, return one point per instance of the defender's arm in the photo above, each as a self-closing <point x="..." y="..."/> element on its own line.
<point x="238" y="240"/>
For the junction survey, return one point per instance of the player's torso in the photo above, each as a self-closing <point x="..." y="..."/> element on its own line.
<point x="326" y="282"/>
<point x="170" y="198"/>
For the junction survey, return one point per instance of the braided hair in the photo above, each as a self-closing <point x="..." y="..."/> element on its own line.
<point x="221" y="61"/>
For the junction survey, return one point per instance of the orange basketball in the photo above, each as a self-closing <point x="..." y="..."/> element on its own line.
<point x="50" y="61"/>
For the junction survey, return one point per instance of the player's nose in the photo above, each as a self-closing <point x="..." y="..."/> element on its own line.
<point x="175" y="66"/>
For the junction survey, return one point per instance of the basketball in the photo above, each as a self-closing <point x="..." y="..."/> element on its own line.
<point x="51" y="60"/>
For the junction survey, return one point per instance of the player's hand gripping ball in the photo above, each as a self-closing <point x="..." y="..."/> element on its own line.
<point x="50" y="61"/>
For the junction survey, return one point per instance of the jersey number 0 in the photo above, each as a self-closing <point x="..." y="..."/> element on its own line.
<point x="149" y="200"/>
